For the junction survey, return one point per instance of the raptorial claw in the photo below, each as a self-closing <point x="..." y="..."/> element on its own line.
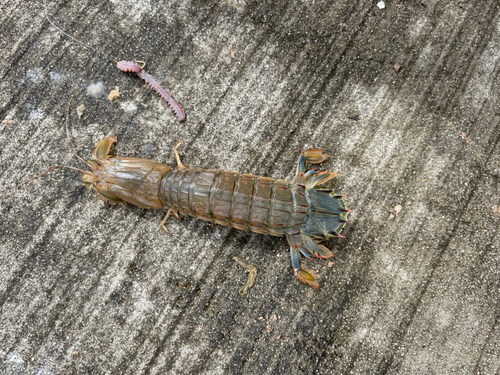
<point x="104" y="148"/>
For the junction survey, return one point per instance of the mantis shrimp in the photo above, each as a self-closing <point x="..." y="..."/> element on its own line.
<point x="299" y="210"/>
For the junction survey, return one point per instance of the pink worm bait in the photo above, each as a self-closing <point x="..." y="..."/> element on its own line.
<point x="129" y="66"/>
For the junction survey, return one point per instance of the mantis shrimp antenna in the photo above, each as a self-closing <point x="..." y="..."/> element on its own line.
<point x="61" y="166"/>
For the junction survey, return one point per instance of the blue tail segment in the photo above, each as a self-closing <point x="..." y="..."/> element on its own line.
<point x="327" y="214"/>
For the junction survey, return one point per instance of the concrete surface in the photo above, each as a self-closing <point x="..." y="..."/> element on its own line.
<point x="86" y="288"/>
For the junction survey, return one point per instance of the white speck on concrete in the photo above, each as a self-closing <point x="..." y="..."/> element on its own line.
<point x="133" y="9"/>
<point x="35" y="75"/>
<point x="141" y="306"/>
<point x="36" y="114"/>
<point x="95" y="89"/>
<point x="15" y="358"/>
<point x="44" y="371"/>
<point x="417" y="28"/>
<point x="129" y="107"/>
<point x="217" y="234"/>
<point x="55" y="77"/>
<point x="381" y="4"/>
<point x="239" y="5"/>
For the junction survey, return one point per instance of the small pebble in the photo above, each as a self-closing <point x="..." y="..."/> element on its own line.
<point x="114" y="94"/>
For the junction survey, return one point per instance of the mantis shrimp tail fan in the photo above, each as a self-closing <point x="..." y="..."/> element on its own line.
<point x="326" y="216"/>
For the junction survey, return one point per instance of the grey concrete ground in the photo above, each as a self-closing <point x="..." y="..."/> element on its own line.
<point x="86" y="288"/>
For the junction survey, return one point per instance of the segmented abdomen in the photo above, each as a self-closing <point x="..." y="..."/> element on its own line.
<point x="260" y="204"/>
